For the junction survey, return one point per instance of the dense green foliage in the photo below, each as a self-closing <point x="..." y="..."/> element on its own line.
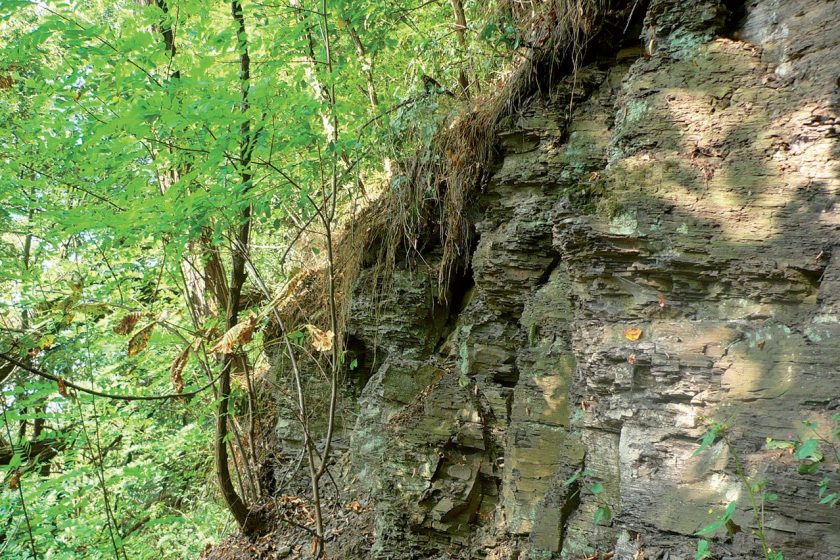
<point x="134" y="145"/>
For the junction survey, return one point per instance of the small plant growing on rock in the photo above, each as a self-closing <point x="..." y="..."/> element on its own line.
<point x="702" y="550"/>
<point x="813" y="451"/>
<point x="756" y="491"/>
<point x="603" y="514"/>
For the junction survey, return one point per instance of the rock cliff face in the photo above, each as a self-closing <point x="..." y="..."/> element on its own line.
<point x="665" y="257"/>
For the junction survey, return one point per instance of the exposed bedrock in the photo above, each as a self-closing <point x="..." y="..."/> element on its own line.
<point x="664" y="258"/>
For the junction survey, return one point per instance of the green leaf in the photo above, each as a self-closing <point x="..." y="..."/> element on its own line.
<point x="808" y="467"/>
<point x="15" y="461"/>
<point x="572" y="479"/>
<point x="778" y="444"/>
<point x="602" y="515"/>
<point x="808" y="449"/>
<point x="702" y="550"/>
<point x="297" y="336"/>
<point x="830" y="499"/>
<point x="708" y="438"/>
<point x="719" y="522"/>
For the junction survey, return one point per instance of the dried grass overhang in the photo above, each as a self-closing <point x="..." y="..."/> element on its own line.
<point x="444" y="178"/>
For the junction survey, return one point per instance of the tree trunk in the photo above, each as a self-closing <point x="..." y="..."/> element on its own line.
<point x="248" y="520"/>
<point x="461" y="33"/>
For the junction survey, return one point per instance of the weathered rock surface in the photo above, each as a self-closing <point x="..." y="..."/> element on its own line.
<point x="667" y="257"/>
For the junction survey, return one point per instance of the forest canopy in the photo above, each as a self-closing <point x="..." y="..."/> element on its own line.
<point x="166" y="169"/>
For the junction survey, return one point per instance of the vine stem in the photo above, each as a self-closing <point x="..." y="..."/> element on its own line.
<point x="758" y="513"/>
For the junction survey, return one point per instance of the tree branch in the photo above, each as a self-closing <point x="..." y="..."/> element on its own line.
<point x="94" y="392"/>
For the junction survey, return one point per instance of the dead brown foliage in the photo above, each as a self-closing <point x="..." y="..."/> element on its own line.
<point x="462" y="154"/>
<point x="443" y="179"/>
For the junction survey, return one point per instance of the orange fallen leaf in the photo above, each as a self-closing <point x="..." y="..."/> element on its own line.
<point x="239" y="334"/>
<point x="632" y="333"/>
<point x="356" y="506"/>
<point x="631" y="359"/>
<point x="322" y="341"/>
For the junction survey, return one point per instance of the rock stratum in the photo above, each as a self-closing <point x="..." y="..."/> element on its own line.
<point x="664" y="257"/>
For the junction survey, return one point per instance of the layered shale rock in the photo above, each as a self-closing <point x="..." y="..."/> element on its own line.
<point x="664" y="256"/>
